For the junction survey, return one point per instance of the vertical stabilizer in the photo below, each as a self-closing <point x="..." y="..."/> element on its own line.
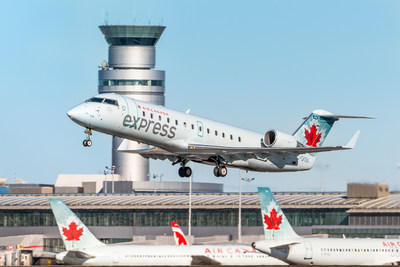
<point x="313" y="131"/>
<point x="276" y="225"/>
<point x="73" y="232"/>
<point x="179" y="237"/>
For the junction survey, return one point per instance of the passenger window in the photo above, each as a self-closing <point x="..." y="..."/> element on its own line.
<point x="144" y="114"/>
<point x="223" y="135"/>
<point x="176" y="122"/>
<point x="200" y="128"/>
<point x="231" y="137"/>
<point x="192" y="127"/>
<point x="216" y="133"/>
<point x="239" y="139"/>
<point x="168" y="120"/>
<point x="208" y="130"/>
<point x="159" y="118"/>
<point x="151" y="115"/>
<point x="184" y="124"/>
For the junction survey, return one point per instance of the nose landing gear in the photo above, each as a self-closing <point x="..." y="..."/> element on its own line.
<point x="87" y="142"/>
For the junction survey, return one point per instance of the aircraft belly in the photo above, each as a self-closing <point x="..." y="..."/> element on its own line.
<point x="269" y="165"/>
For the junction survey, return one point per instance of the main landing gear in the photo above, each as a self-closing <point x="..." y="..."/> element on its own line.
<point x="183" y="170"/>
<point x="220" y="171"/>
<point x="87" y="142"/>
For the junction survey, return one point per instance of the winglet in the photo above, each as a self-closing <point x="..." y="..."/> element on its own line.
<point x="123" y="146"/>
<point x="353" y="140"/>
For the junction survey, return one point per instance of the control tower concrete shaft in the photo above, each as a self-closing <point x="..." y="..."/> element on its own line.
<point x="129" y="71"/>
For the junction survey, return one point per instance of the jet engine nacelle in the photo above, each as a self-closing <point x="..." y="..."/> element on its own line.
<point x="273" y="138"/>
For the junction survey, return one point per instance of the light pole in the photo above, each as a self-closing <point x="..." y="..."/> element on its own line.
<point x="240" y="208"/>
<point x="105" y="179"/>
<point x="112" y="177"/>
<point x="248" y="180"/>
<point x="155" y="176"/>
<point x="190" y="204"/>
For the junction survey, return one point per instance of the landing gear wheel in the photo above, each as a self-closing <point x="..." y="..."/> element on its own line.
<point x="89" y="143"/>
<point x="185" y="172"/>
<point x="188" y="171"/>
<point x="181" y="172"/>
<point x="216" y="172"/>
<point x="85" y="143"/>
<point x="223" y="171"/>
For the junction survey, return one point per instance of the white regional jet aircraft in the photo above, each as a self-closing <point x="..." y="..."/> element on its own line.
<point x="283" y="243"/>
<point x="83" y="248"/>
<point x="182" y="137"/>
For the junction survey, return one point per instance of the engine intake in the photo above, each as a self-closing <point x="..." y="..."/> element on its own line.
<point x="273" y="138"/>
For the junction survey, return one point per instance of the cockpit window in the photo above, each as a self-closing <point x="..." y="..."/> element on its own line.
<point x="111" y="102"/>
<point x="96" y="99"/>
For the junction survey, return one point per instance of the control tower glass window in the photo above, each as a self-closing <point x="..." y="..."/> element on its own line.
<point x="131" y="82"/>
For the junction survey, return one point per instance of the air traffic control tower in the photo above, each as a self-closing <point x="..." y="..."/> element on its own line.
<point x="129" y="71"/>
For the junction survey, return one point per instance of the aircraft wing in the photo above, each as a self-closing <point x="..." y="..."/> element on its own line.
<point x="271" y="150"/>
<point x="201" y="152"/>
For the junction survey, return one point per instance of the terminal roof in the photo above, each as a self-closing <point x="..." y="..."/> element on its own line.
<point x="200" y="201"/>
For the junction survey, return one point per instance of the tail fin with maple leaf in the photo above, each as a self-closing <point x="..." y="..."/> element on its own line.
<point x="179" y="237"/>
<point x="276" y="225"/>
<point x="73" y="232"/>
<point x="315" y="128"/>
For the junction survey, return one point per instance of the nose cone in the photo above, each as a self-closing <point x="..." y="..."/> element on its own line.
<point x="77" y="114"/>
<point x="74" y="113"/>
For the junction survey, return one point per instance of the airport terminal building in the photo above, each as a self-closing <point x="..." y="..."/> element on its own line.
<point x="364" y="211"/>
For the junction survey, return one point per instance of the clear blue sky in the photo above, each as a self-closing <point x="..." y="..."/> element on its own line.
<point x="255" y="64"/>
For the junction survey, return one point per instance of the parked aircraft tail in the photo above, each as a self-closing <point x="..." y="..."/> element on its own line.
<point x="276" y="225"/>
<point x="72" y="230"/>
<point x="179" y="237"/>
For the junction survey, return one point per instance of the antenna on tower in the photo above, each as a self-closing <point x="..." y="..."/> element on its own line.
<point x="149" y="15"/>
<point x="106" y="19"/>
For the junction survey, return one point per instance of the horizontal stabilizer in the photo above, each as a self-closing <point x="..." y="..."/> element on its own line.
<point x="348" y="117"/>
<point x="326" y="114"/>
<point x="79" y="254"/>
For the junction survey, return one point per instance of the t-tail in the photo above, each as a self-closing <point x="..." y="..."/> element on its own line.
<point x="276" y="225"/>
<point x="179" y="237"/>
<point x="316" y="127"/>
<point x="72" y="230"/>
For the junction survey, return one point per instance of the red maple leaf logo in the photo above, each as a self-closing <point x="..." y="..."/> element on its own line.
<point x="273" y="221"/>
<point x="73" y="233"/>
<point x="312" y="137"/>
<point x="181" y="239"/>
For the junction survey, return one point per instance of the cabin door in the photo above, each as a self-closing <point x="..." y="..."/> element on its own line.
<point x="200" y="129"/>
<point x="115" y="257"/>
<point x="308" y="250"/>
